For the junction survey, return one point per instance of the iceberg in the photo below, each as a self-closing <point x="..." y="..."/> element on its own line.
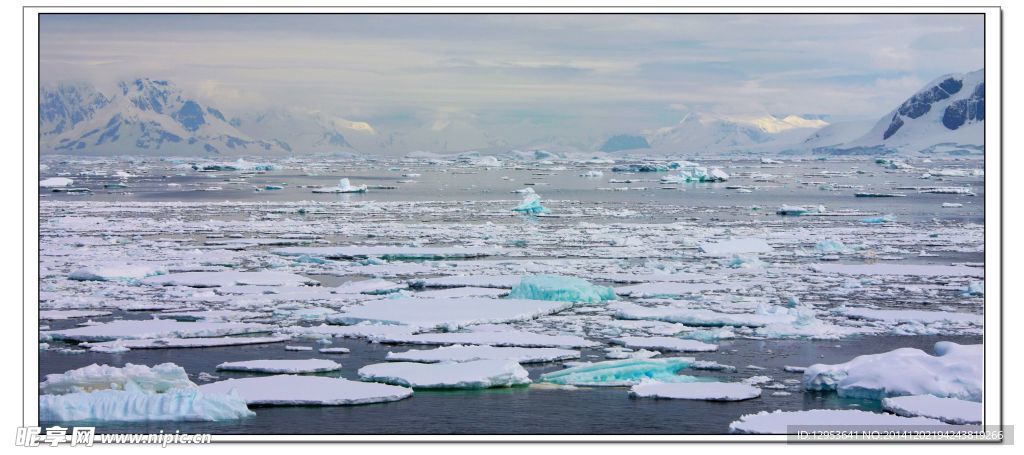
<point x="779" y="422"/>
<point x="619" y="373"/>
<point x="692" y="172"/>
<point x="665" y="344"/>
<point x="292" y="390"/>
<point x="291" y="366"/>
<point x="475" y="374"/>
<point x="879" y="219"/>
<point x="136" y="406"/>
<point x="56" y="182"/>
<point x="446" y="314"/>
<point x="792" y="210"/>
<point x="707" y="391"/>
<point x="530" y="205"/>
<point x="592" y="174"/>
<point x="157" y="379"/>
<point x="830" y="246"/>
<point x="344" y="186"/>
<point x="949" y="410"/>
<point x="560" y="289"/>
<point x="462" y="353"/>
<point x="955" y="371"/>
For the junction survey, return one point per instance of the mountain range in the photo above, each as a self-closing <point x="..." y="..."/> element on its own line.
<point x="147" y="116"/>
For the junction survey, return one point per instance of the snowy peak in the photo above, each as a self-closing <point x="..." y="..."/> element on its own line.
<point x="948" y="112"/>
<point x="704" y="133"/>
<point x="63" y="106"/>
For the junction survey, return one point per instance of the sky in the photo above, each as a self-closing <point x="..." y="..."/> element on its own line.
<point x="523" y="77"/>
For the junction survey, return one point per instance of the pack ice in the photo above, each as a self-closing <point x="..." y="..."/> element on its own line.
<point x="447" y="314"/>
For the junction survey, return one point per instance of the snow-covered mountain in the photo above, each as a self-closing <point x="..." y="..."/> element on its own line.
<point x="947" y="115"/>
<point x="711" y="134"/>
<point x="306" y="131"/>
<point x="142" y="116"/>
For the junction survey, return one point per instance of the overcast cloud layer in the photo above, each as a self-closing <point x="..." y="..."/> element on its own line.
<point x="523" y="76"/>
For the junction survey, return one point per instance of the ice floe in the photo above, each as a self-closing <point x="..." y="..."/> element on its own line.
<point x="782" y="422"/>
<point x="386" y="252"/>
<point x="707" y="391"/>
<point x="448" y="314"/>
<point x="955" y="371"/>
<point x="666" y="344"/>
<point x="463" y="353"/>
<point x="474" y="374"/>
<point x="293" y="390"/>
<point x="229" y="278"/>
<point x="159" y="378"/>
<point x="290" y="366"/>
<point x="949" y="410"/>
<point x="122" y="345"/>
<point x="154" y="328"/>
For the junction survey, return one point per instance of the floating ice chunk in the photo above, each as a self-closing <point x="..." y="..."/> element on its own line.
<point x="476" y="374"/>
<point x="949" y="410"/>
<point x="175" y="343"/>
<point x="290" y="366"/>
<point x="138" y="406"/>
<point x="229" y="278"/>
<point x="954" y="372"/>
<point x="334" y="350"/>
<point x="666" y="344"/>
<point x="708" y="391"/>
<point x="665" y="289"/>
<point x="780" y="422"/>
<point x="561" y="289"/>
<point x="159" y="378"/>
<point x="975" y="288"/>
<point x="292" y="390"/>
<point x="830" y="246"/>
<point x="344" y="186"/>
<point x="702" y="317"/>
<point x="745" y="261"/>
<point x="879" y="219"/>
<point x="55" y="182"/>
<point x="298" y="348"/>
<point x="619" y="353"/>
<point x="492" y="338"/>
<point x="450" y="293"/>
<point x="448" y="314"/>
<point x="951" y="205"/>
<point x="210" y="315"/>
<point x="530" y="205"/>
<point x="386" y="252"/>
<point x="460" y="353"/>
<point x="592" y="174"/>
<point x="792" y="210"/>
<point x="735" y="246"/>
<point x="60" y="315"/>
<point x="117" y="271"/>
<point x="374" y="286"/>
<point x="913" y="316"/>
<point x="155" y="328"/>
<point x="692" y="172"/>
<point x="487" y="161"/>
<point x="617" y="373"/>
<point x="486" y="281"/>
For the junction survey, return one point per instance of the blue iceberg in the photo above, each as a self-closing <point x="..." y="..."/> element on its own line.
<point x="619" y="373"/>
<point x="531" y="205"/>
<point x="560" y="289"/>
